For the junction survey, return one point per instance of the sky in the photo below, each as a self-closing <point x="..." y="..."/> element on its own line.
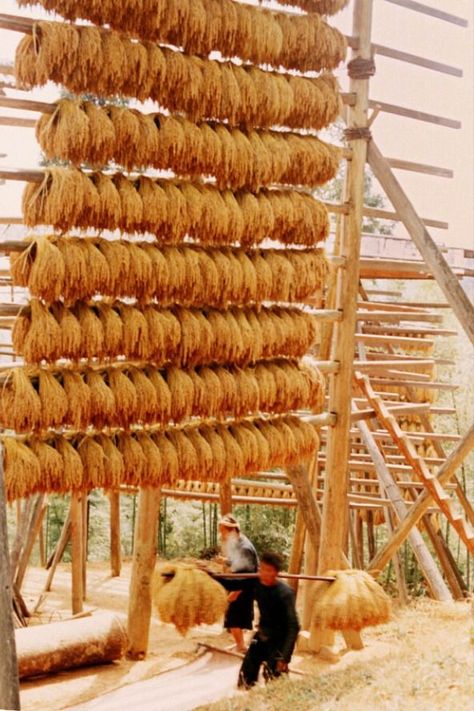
<point x="450" y="200"/>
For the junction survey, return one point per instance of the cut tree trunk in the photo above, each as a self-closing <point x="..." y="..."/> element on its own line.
<point x="58" y="646"/>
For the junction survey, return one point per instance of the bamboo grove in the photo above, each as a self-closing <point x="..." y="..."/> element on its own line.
<point x="175" y="355"/>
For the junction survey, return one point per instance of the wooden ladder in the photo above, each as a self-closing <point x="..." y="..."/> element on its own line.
<point x="430" y="481"/>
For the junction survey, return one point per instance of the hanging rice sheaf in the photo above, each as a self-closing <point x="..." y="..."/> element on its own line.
<point x="187" y="337"/>
<point x="233" y="29"/>
<point x="187" y="597"/>
<point x="324" y="7"/>
<point x="353" y="601"/>
<point x="91" y="60"/>
<point x="236" y="158"/>
<point x="187" y="275"/>
<point x="208" y="453"/>
<point x="68" y="198"/>
<point x="125" y="396"/>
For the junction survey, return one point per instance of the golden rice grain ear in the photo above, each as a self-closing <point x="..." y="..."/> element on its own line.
<point x="78" y="396"/>
<point x="223" y="267"/>
<point x="136" y="335"/>
<point x="177" y="212"/>
<point x="130" y="203"/>
<point x="97" y="268"/>
<point x="127" y="134"/>
<point x="95" y="474"/>
<point x="71" y="333"/>
<point x="172" y="328"/>
<point x="263" y="273"/>
<point x="181" y="387"/>
<point x="264" y="453"/>
<point x="196" y="337"/>
<point x="249" y="277"/>
<point x="228" y="391"/>
<point x="101" y="134"/>
<point x="267" y="387"/>
<point x="171" y="141"/>
<point x="157" y="329"/>
<point x="204" y="454"/>
<point x="141" y="272"/>
<point x="88" y="58"/>
<point x="134" y="459"/>
<point x="43" y="341"/>
<point x="214" y="439"/>
<point x="21" y="263"/>
<point x="21" y="327"/>
<point x="212" y="402"/>
<point x="161" y="281"/>
<point x="117" y="255"/>
<point x="113" y="330"/>
<point x="110" y="203"/>
<point x="52" y="466"/>
<point x="20" y="404"/>
<point x="113" y="72"/>
<point x="65" y="134"/>
<point x="189" y="467"/>
<point x="147" y="398"/>
<point x="253" y="319"/>
<point x="246" y="335"/>
<point x="137" y="70"/>
<point x="283" y="274"/>
<point x="305" y="435"/>
<point x="234" y="456"/>
<point x="248" y="444"/>
<point x="54" y="403"/>
<point x="113" y="464"/>
<point x="75" y="276"/>
<point x="163" y="396"/>
<point x="125" y="394"/>
<point x="26" y="76"/>
<point x="316" y="384"/>
<point x="57" y="49"/>
<point x="103" y="409"/>
<point x="170" y="472"/>
<point x="22" y="470"/>
<point x="92" y="332"/>
<point x="248" y="391"/>
<point x="47" y="273"/>
<point x="64" y="198"/>
<point x="72" y="462"/>
<point x="153" y="472"/>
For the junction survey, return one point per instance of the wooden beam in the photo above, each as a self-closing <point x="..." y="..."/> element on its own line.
<point x="430" y="11"/>
<point x="425" y="560"/>
<point x="144" y="555"/>
<point x="414" y="114"/>
<point x="399" y="164"/>
<point x="424" y="501"/>
<point x="374" y="339"/>
<point x="225" y="497"/>
<point x="77" y="553"/>
<point x="417" y="61"/>
<point x="454" y="294"/>
<point x="9" y="684"/>
<point x="422" y="330"/>
<point x="397" y="217"/>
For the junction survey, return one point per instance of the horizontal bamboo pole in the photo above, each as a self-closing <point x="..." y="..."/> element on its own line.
<point x="430" y="11"/>
<point x="431" y="385"/>
<point x="398" y="316"/>
<point x="405" y="112"/>
<point x="410" y="330"/>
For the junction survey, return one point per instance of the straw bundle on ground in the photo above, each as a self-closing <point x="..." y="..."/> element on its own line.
<point x="187" y="337"/>
<point x="187" y="597"/>
<point x="200" y="88"/>
<point x="237" y="159"/>
<point x="233" y="29"/>
<point x="67" y="198"/>
<point x="207" y="453"/>
<point x="188" y="275"/>
<point x="353" y="601"/>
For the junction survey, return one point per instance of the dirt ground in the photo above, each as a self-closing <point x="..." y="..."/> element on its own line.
<point x="421" y="660"/>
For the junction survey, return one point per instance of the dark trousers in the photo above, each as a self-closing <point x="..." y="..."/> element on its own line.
<point x="260" y="651"/>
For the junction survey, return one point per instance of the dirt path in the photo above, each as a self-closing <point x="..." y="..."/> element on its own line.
<point x="209" y="678"/>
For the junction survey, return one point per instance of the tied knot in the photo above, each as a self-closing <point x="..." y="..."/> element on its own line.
<point x="355" y="134"/>
<point x="361" y="68"/>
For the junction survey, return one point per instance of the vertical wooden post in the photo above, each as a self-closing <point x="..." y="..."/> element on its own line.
<point x="85" y="542"/>
<point x="34" y="527"/>
<point x="9" y="685"/>
<point x="297" y="549"/>
<point x="225" y="496"/>
<point x="336" y="485"/>
<point x="77" y="542"/>
<point x="115" y="542"/>
<point x="144" y="555"/>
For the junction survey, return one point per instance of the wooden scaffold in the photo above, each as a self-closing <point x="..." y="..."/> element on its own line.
<point x="180" y="332"/>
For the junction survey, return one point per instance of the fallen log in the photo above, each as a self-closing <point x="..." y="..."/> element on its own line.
<point x="43" y="649"/>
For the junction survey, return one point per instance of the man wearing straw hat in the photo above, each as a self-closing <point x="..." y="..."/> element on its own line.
<point x="240" y="556"/>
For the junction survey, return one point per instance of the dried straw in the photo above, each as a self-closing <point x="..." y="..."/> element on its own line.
<point x="20" y="403"/>
<point x="353" y="601"/>
<point x="22" y="470"/>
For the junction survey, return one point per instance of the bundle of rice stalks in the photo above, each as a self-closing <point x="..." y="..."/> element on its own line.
<point x="187" y="597"/>
<point x="353" y="601"/>
<point x="189" y="276"/>
<point x="73" y="468"/>
<point x="37" y="334"/>
<point x="200" y="88"/>
<point x="51" y="464"/>
<point x="236" y="159"/>
<point x="94" y="462"/>
<point x="21" y="469"/>
<point x="20" y="404"/>
<point x="285" y="216"/>
<point x="305" y="43"/>
<point x="324" y="7"/>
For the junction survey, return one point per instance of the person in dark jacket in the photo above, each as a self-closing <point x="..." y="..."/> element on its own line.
<point x="274" y="641"/>
<point x="240" y="556"/>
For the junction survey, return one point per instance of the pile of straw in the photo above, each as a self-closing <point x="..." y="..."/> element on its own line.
<point x="124" y="396"/>
<point x="92" y="60"/>
<point x="324" y="7"/>
<point x="233" y="29"/>
<point x="353" y="601"/>
<point x="208" y="452"/>
<point x="185" y="337"/>
<point x="73" y="268"/>
<point x="81" y="132"/>
<point x="186" y="597"/>
<point x="68" y="198"/>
